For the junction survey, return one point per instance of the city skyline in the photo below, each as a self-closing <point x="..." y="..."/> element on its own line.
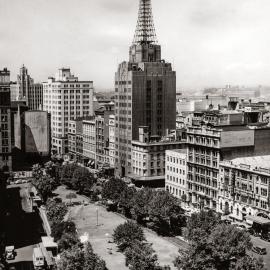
<point x="209" y="44"/>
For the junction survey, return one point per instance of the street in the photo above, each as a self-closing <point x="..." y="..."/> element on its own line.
<point x="261" y="243"/>
<point x="23" y="227"/>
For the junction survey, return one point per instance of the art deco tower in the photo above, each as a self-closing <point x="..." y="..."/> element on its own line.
<point x="145" y="90"/>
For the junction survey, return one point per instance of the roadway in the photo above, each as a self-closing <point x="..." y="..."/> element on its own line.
<point x="23" y="227"/>
<point x="257" y="241"/>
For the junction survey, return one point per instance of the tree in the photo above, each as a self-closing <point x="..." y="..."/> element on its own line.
<point x="53" y="169"/>
<point x="112" y="189"/>
<point x="92" y="261"/>
<point x="165" y="211"/>
<point x="141" y="256"/>
<point x="125" y="234"/>
<point x="67" y="241"/>
<point x="82" y="180"/>
<point x="141" y="202"/>
<point x="71" y="259"/>
<point x="249" y="263"/>
<point x="80" y="258"/>
<point x="184" y="197"/>
<point x="71" y="196"/>
<point x="45" y="186"/>
<point x="58" y="229"/>
<point x="37" y="171"/>
<point x="67" y="173"/>
<point x="228" y="242"/>
<point x="125" y="200"/>
<point x="224" y="247"/>
<point x="201" y="224"/>
<point x="56" y="210"/>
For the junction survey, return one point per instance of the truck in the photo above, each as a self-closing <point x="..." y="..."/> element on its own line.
<point x="45" y="253"/>
<point x="50" y="245"/>
<point x="38" y="259"/>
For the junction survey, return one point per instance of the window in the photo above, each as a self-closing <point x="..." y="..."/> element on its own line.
<point x="264" y="192"/>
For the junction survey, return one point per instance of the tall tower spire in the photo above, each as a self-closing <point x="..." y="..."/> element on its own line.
<point x="145" y="30"/>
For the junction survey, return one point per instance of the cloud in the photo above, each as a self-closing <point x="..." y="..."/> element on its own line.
<point x="209" y="42"/>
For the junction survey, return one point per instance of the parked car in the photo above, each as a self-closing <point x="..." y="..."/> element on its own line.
<point x="10" y="253"/>
<point x="18" y="181"/>
<point x="259" y="250"/>
<point x="241" y="227"/>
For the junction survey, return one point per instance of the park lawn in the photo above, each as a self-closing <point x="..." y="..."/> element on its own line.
<point x="88" y="217"/>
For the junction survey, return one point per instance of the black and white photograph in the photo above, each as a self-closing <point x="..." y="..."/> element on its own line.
<point x="134" y="135"/>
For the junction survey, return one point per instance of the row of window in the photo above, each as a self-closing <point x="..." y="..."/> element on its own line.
<point x="176" y="160"/>
<point x="175" y="170"/>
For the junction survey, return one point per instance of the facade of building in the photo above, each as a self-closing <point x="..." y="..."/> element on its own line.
<point x="75" y="140"/>
<point x="25" y="83"/>
<point x="35" y="98"/>
<point x="37" y="134"/>
<point x="66" y="98"/>
<point x="148" y="158"/>
<point x="112" y="141"/>
<point x="176" y="172"/>
<point x="5" y="116"/>
<point x="103" y="115"/>
<point x="26" y="90"/>
<point x="207" y="146"/>
<point x="145" y="92"/>
<point x="89" y="141"/>
<point x="32" y="134"/>
<point x="244" y="187"/>
<point x="100" y="142"/>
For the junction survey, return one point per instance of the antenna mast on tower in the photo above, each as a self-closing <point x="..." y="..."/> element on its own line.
<point x="145" y="30"/>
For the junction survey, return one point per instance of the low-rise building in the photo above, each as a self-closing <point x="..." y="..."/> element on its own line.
<point x="176" y="172"/>
<point x="207" y="146"/>
<point x="148" y="158"/>
<point x="244" y="187"/>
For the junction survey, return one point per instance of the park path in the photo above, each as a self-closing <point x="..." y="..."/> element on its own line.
<point x="100" y="224"/>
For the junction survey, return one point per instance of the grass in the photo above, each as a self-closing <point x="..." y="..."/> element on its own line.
<point x="87" y="218"/>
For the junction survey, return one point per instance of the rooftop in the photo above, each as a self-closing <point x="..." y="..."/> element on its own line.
<point x="258" y="161"/>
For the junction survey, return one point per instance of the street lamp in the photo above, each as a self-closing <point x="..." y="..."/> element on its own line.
<point x="97" y="216"/>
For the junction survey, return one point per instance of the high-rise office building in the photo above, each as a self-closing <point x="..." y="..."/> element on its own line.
<point x="5" y="121"/>
<point x="26" y="90"/>
<point x="66" y="98"/>
<point x="145" y="91"/>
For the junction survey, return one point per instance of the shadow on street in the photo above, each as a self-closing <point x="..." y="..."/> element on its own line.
<point x="22" y="228"/>
<point x="21" y="266"/>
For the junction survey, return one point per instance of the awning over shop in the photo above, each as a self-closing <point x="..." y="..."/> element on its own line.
<point x="260" y="220"/>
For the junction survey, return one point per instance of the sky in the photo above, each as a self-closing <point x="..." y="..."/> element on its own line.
<point x="211" y="43"/>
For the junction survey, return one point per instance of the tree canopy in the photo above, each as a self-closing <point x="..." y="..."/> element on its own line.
<point x="214" y="245"/>
<point x="125" y="234"/>
<point x="80" y="258"/>
<point x="112" y="189"/>
<point x="45" y="186"/>
<point x="55" y="210"/>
